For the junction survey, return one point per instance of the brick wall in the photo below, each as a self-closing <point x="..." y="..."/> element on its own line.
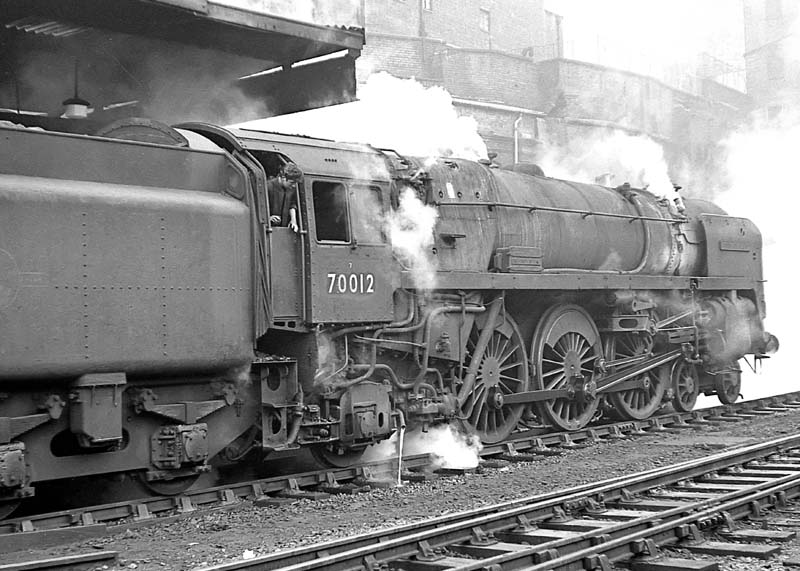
<point x="490" y="76"/>
<point x="575" y="99"/>
<point x="392" y="17"/>
<point x="514" y="25"/>
<point x="773" y="80"/>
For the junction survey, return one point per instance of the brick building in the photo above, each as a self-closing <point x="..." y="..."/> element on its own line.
<point x="772" y="55"/>
<point x="503" y="64"/>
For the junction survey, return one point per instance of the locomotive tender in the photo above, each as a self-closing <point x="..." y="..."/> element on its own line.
<point x="155" y="323"/>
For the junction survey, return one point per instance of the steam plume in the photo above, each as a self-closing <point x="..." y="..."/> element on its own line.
<point x="410" y="228"/>
<point x="391" y="113"/>
<point x="448" y="447"/>
<point x="637" y="160"/>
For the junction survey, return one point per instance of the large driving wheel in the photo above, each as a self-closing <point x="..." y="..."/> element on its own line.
<point x="640" y="403"/>
<point x="503" y="370"/>
<point x="685" y="385"/>
<point x="564" y="350"/>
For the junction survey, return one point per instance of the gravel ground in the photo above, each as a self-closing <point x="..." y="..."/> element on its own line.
<point x="246" y="530"/>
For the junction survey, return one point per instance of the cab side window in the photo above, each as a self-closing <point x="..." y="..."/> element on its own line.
<point x="367" y="211"/>
<point x="330" y="211"/>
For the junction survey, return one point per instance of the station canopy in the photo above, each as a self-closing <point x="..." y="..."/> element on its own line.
<point x="223" y="61"/>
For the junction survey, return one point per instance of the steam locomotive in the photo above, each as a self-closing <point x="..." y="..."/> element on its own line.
<point x="154" y="322"/>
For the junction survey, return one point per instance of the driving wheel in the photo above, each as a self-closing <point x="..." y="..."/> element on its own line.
<point x="565" y="347"/>
<point x="638" y="403"/>
<point x="502" y="371"/>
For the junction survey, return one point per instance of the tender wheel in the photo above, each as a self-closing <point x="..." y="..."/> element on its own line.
<point x="685" y="386"/>
<point x="728" y="384"/>
<point x="565" y="347"/>
<point x="335" y="456"/>
<point x="173" y="487"/>
<point x="635" y="404"/>
<point x="7" y="508"/>
<point x="503" y="371"/>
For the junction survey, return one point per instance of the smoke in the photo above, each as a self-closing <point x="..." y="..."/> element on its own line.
<point x="185" y="87"/>
<point x="170" y="82"/>
<point x="410" y="228"/>
<point x="448" y="447"/>
<point x="616" y="158"/>
<point x="391" y="113"/>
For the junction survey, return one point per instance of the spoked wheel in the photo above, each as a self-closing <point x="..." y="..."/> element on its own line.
<point x="564" y="350"/>
<point x="173" y="487"/>
<point x="503" y="371"/>
<point x="685" y="385"/>
<point x="335" y="456"/>
<point x="640" y="403"/>
<point x="728" y="384"/>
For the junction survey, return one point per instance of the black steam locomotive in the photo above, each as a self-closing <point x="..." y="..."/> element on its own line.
<point x="154" y="321"/>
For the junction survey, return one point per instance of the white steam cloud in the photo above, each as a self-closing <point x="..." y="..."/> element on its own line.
<point x="391" y="113"/>
<point x="616" y="158"/>
<point x="410" y="228"/>
<point x="448" y="447"/>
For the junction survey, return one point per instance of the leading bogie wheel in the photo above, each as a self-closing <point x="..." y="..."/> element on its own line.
<point x="565" y="348"/>
<point x="503" y="371"/>
<point x="685" y="385"/>
<point x="727" y="385"/>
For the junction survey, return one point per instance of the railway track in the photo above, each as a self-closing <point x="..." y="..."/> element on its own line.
<point x="65" y="526"/>
<point x="629" y="519"/>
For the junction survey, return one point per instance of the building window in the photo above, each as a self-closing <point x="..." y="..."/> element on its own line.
<point x="427" y="5"/>
<point x="773" y="10"/>
<point x="486" y="20"/>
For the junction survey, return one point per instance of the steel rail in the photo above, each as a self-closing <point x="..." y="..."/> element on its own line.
<point x="66" y="562"/>
<point x="401" y="543"/>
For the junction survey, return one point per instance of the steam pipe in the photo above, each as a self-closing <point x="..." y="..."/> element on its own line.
<point x="401" y="429"/>
<point x="395" y="324"/>
<point x="428" y="323"/>
<point x="423" y="366"/>
<point x="559" y="209"/>
<point x="343" y="367"/>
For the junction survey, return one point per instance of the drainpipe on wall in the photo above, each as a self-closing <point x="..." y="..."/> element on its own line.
<point x="517" y="121"/>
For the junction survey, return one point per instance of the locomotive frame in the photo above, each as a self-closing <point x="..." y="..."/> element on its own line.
<point x="155" y="323"/>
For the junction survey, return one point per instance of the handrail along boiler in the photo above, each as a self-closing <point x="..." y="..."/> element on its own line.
<point x="156" y="324"/>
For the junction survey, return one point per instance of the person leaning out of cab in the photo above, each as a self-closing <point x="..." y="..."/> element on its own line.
<point x="282" y="194"/>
